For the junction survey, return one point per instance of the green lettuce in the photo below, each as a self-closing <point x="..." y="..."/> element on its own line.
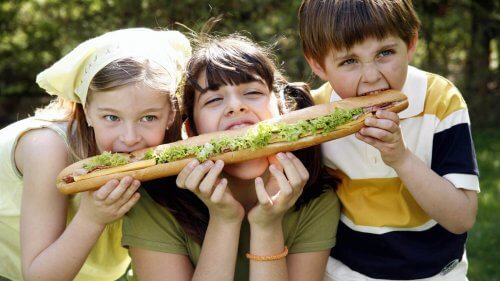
<point x="259" y="136"/>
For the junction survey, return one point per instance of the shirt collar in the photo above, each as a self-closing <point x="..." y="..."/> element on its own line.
<point x="415" y="88"/>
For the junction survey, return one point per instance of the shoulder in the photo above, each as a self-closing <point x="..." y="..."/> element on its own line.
<point x="322" y="94"/>
<point x="324" y="207"/>
<point x="41" y="145"/>
<point x="443" y="97"/>
<point x="327" y="201"/>
<point x="151" y="225"/>
<point x="314" y="226"/>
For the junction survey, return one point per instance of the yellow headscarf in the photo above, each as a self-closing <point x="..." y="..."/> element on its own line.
<point x="70" y="76"/>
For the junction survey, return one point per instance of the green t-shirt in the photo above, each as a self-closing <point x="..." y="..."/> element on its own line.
<point x="151" y="226"/>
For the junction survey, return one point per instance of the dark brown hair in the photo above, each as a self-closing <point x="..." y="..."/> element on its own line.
<point x="340" y="24"/>
<point x="233" y="60"/>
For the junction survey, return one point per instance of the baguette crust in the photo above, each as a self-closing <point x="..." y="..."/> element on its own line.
<point x="397" y="99"/>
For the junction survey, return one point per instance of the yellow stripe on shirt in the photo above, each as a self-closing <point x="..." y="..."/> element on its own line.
<point x="382" y="202"/>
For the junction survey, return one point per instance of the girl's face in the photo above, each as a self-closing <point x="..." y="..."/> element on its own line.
<point x="129" y="118"/>
<point x="232" y="107"/>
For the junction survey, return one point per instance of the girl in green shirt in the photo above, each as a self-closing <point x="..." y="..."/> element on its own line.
<point x="263" y="219"/>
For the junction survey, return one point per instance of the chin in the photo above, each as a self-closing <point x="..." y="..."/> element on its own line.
<point x="248" y="170"/>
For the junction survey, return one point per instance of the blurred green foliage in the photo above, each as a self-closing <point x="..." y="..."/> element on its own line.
<point x="484" y="238"/>
<point x="459" y="38"/>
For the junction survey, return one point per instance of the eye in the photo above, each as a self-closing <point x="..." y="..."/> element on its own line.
<point x="111" y="118"/>
<point x="348" y="62"/>
<point x="254" y="93"/>
<point x="149" y="118"/>
<point x="212" y="100"/>
<point x="386" y="53"/>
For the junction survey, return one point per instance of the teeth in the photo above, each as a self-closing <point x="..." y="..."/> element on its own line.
<point x="235" y="127"/>
<point x="373" y="92"/>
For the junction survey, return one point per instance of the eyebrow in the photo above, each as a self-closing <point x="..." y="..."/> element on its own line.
<point x="150" y="109"/>
<point x="350" y="55"/>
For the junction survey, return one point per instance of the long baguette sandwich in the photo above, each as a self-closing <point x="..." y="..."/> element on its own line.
<point x="292" y="131"/>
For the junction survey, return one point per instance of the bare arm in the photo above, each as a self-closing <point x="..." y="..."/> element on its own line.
<point x="220" y="244"/>
<point x="50" y="250"/>
<point x="151" y="265"/>
<point x="453" y="208"/>
<point x="307" y="266"/>
<point x="266" y="231"/>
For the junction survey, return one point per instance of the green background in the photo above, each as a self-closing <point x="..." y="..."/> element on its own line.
<point x="459" y="39"/>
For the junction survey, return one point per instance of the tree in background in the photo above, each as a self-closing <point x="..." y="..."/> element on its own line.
<point x="459" y="39"/>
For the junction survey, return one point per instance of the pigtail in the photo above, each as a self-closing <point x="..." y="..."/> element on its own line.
<point x="297" y="95"/>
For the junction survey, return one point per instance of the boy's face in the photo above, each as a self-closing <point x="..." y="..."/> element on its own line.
<point x="370" y="66"/>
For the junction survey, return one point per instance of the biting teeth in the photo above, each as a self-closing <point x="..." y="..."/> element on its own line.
<point x="239" y="126"/>
<point x="373" y="92"/>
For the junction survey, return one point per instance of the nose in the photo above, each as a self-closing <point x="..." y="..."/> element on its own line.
<point x="235" y="105"/>
<point x="130" y="135"/>
<point x="371" y="72"/>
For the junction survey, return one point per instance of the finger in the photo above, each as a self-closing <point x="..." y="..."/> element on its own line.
<point x="304" y="173"/>
<point x="219" y="191"/>
<point x="210" y="179"/>
<point x="129" y="204"/>
<point x="103" y="192"/>
<point x="284" y="185"/>
<point x="389" y="115"/>
<point x="129" y="192"/>
<point x="384" y="124"/>
<point x="125" y="183"/>
<point x="379" y="134"/>
<point x="290" y="170"/>
<point x="262" y="195"/>
<point x="193" y="181"/>
<point x="183" y="175"/>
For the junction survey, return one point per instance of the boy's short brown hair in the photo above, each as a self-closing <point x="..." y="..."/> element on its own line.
<point x="341" y="24"/>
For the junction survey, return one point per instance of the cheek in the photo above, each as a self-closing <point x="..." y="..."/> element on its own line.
<point x="104" y="141"/>
<point x="398" y="76"/>
<point x="205" y="121"/>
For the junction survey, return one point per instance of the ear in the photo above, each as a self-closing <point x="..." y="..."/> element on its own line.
<point x="87" y="117"/>
<point x="317" y="68"/>
<point x="412" y="47"/>
<point x="171" y="118"/>
<point x="187" y="127"/>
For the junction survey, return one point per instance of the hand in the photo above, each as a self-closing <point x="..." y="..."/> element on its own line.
<point x="273" y="205"/>
<point x="383" y="133"/>
<point x="203" y="180"/>
<point x="111" y="201"/>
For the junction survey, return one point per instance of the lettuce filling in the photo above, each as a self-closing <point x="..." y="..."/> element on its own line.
<point x="257" y="137"/>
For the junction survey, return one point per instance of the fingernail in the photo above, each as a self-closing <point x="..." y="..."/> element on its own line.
<point x="281" y="156"/>
<point x="219" y="163"/>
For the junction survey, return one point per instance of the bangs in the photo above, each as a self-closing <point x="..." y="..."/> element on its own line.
<point x="358" y="21"/>
<point x="233" y="65"/>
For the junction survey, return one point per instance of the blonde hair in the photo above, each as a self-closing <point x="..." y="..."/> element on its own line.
<point x="116" y="74"/>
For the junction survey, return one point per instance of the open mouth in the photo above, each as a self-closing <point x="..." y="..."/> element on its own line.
<point x="374" y="92"/>
<point x="239" y="125"/>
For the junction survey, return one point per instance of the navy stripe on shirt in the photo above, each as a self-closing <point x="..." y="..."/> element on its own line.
<point x="399" y="255"/>
<point x="453" y="151"/>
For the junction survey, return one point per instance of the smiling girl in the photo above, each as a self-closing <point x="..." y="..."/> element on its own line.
<point x="115" y="93"/>
<point x="264" y="219"/>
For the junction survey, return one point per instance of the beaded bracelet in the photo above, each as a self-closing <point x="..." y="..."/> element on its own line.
<point x="268" y="258"/>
